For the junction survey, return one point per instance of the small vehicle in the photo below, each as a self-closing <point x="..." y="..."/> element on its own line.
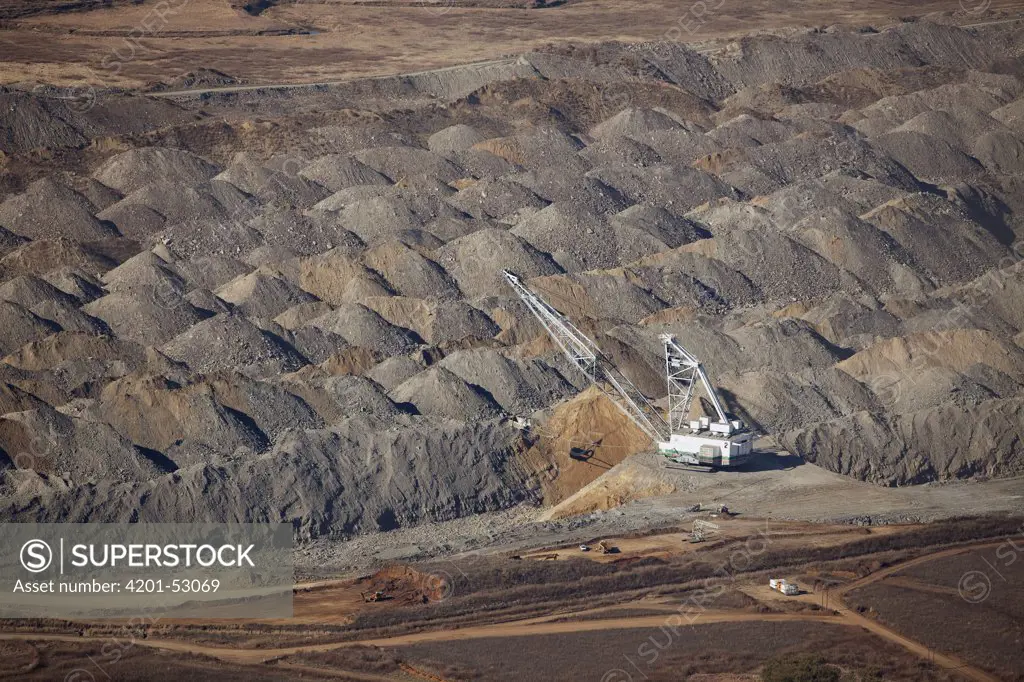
<point x="584" y="548"/>
<point x="784" y="586"/>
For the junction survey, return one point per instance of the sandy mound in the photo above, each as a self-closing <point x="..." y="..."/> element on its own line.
<point x="353" y="477"/>
<point x="338" y="171"/>
<point x="394" y="371"/>
<point x="27" y="291"/>
<point x="337" y="278"/>
<point x="410" y="273"/>
<point x="68" y="317"/>
<point x="98" y="194"/>
<point x="75" y="282"/>
<point x="620" y="151"/>
<point x="597" y="296"/>
<point x="84" y="450"/>
<point x="48" y="209"/>
<point x="778" y="266"/>
<point x="1011" y="115"/>
<point x="958" y="349"/>
<point x="300" y="314"/>
<point x="361" y="326"/>
<point x="149" y="320"/>
<point x="683" y="279"/>
<point x="1000" y="152"/>
<point x="10" y="242"/>
<point x="579" y="240"/>
<point x="588" y="425"/>
<point x="943" y="238"/>
<point x="518" y="386"/>
<point x="376" y="219"/>
<point x="136" y="168"/>
<point x="186" y="423"/>
<point x="635" y="123"/>
<point x="338" y="397"/>
<point x="18" y="326"/>
<point x="536" y="147"/>
<point x="848" y="322"/>
<point x="260" y="295"/>
<point x="582" y="191"/>
<point x="613" y="488"/>
<point x="14" y="399"/>
<point x="667" y="228"/>
<point x="216" y="200"/>
<point x="776" y="400"/>
<point x="940" y="443"/>
<point x="314" y="344"/>
<point x="211" y="272"/>
<point x="271" y="186"/>
<point x="232" y="342"/>
<point x="456" y="138"/>
<point x="272" y="407"/>
<point x="285" y="229"/>
<point x="398" y="163"/>
<point x="476" y="261"/>
<point x="436" y="322"/>
<point x="215" y="237"/>
<point x="134" y="221"/>
<point x="929" y="158"/>
<point x="440" y="393"/>
<point x="65" y="347"/>
<point x="495" y="199"/>
<point x="672" y="188"/>
<point x="143" y="273"/>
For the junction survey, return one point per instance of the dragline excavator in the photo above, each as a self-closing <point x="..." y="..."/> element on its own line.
<point x="696" y="442"/>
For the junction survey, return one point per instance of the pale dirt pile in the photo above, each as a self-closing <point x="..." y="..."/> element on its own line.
<point x="289" y="305"/>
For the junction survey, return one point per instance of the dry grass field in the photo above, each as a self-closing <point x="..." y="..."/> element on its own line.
<point x="128" y="45"/>
<point x="982" y="592"/>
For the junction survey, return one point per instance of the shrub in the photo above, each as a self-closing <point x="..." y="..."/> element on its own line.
<point x="806" y="668"/>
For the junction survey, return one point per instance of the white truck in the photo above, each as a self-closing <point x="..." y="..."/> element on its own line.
<point x="785" y="587"/>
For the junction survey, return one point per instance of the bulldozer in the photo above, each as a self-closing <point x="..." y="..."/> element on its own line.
<point x="376" y="596"/>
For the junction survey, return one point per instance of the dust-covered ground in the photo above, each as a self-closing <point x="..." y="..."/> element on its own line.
<point x="656" y="606"/>
<point x="135" y="44"/>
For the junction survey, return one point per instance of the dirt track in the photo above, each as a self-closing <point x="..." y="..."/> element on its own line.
<point x="545" y="626"/>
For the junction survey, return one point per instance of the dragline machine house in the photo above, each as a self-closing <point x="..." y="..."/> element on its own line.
<point x="725" y="442"/>
<point x="701" y="442"/>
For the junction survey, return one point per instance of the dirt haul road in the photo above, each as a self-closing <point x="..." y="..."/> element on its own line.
<point x="674" y="618"/>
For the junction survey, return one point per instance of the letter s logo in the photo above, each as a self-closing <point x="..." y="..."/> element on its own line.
<point x="36" y="556"/>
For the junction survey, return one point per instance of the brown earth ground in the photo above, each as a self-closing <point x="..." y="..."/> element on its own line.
<point x="132" y="45"/>
<point x="457" y="623"/>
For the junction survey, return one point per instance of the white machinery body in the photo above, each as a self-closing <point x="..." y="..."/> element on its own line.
<point x="708" y="449"/>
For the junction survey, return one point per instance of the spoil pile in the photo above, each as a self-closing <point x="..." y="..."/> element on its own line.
<point x="308" y="322"/>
